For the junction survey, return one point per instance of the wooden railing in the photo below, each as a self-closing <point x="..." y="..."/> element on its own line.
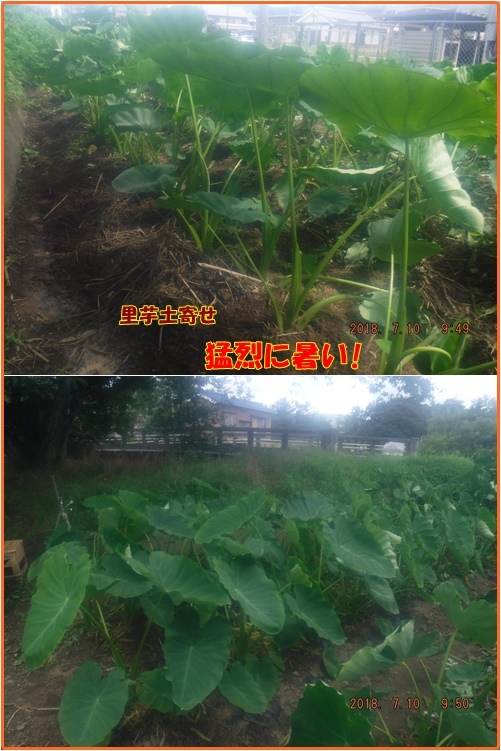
<point x="231" y="440"/>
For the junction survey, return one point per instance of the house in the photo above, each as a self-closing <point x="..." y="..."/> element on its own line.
<point x="239" y="21"/>
<point x="233" y="412"/>
<point x="437" y="33"/>
<point x="356" y="31"/>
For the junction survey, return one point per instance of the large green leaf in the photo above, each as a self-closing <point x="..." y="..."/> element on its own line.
<point x="146" y="178"/>
<point x="382" y="593"/>
<point x="326" y="201"/>
<point x="166" y="520"/>
<point x="243" y="210"/>
<point x="165" y="25"/>
<point x="387" y="236"/>
<point x="395" y="648"/>
<point x="425" y="535"/>
<point x="247" y="583"/>
<point x="195" y="656"/>
<point x="231" y="518"/>
<point x="94" y="86"/>
<point x="460" y="539"/>
<point x="135" y="118"/>
<point x="471" y="729"/>
<point x="476" y="623"/>
<point x="251" y="686"/>
<point x="155" y="690"/>
<point x="60" y="591"/>
<point x="433" y="167"/>
<point x="323" y="718"/>
<point x="356" y="548"/>
<point x="158" y="607"/>
<point x="395" y="101"/>
<point x="226" y="60"/>
<point x="118" y="579"/>
<point x="180" y="577"/>
<point x="314" y="610"/>
<point x="308" y="506"/>
<point x="92" y="704"/>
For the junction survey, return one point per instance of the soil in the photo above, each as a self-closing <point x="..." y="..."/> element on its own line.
<point x="76" y="251"/>
<point x="32" y="698"/>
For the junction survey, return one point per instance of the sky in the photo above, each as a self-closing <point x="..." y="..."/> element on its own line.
<point x="338" y="395"/>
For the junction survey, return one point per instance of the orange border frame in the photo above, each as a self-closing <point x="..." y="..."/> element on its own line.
<point x="5" y="3"/>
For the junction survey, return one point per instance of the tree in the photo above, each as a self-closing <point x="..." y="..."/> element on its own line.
<point x="177" y="404"/>
<point x="294" y="415"/>
<point x="455" y="429"/>
<point x="47" y="416"/>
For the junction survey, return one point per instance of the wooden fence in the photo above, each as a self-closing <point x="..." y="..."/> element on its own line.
<point x="228" y="440"/>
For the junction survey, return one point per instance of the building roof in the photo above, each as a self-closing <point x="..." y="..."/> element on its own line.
<point x="330" y="15"/>
<point x="426" y="14"/>
<point x="233" y="401"/>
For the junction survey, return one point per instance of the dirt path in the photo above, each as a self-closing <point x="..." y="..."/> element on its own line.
<point x="76" y="251"/>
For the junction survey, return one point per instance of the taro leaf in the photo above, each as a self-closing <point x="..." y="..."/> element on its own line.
<point x="135" y="118"/>
<point x="308" y="506"/>
<point x="166" y="520"/>
<point x="382" y="593"/>
<point x="327" y="201"/>
<point x="282" y="189"/>
<point x="244" y="210"/>
<point x="424" y="645"/>
<point x="395" y="101"/>
<point x="158" y="607"/>
<point x="73" y="104"/>
<point x="323" y="718"/>
<point x="375" y="306"/>
<point x="245" y="150"/>
<point x="477" y="623"/>
<point x="251" y="686"/>
<point x="460" y="539"/>
<point x="467" y="672"/>
<point x="337" y="176"/>
<point x="103" y="50"/>
<point x="143" y="71"/>
<point x="356" y="548"/>
<point x="487" y="517"/>
<point x="368" y="660"/>
<point x="412" y="558"/>
<point x="118" y="579"/>
<point x="357" y="252"/>
<point x="60" y="590"/>
<point x="179" y="577"/>
<point x="387" y="235"/>
<point x="433" y="167"/>
<point x="100" y="502"/>
<point x="167" y="25"/>
<point x="146" y="178"/>
<point x="314" y="610"/>
<point x="470" y="729"/>
<point x="226" y="60"/>
<point x="94" y="86"/>
<point x="92" y="704"/>
<point x="231" y="518"/>
<point x="73" y="552"/>
<point x="258" y="596"/>
<point x="155" y="690"/>
<point x="426" y="536"/>
<point x="195" y="656"/>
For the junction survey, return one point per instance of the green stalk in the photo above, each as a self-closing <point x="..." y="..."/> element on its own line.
<point x="340" y="242"/>
<point x="297" y="269"/>
<point x="104" y="630"/>
<point x="266" y="251"/>
<point x="397" y="346"/>
<point x="135" y="662"/>
<point x="418" y="694"/>
<point x="196" y="132"/>
<point x="438" y="683"/>
<point x="382" y="363"/>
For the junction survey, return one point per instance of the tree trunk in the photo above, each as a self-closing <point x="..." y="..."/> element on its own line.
<point x="61" y="416"/>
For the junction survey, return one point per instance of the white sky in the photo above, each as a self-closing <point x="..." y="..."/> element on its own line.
<point x="340" y="394"/>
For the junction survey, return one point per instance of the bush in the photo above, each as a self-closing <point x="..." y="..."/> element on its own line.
<point x="28" y="42"/>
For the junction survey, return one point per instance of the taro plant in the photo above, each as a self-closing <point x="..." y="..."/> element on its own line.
<point x="206" y="578"/>
<point x="409" y="110"/>
<point x="452" y="710"/>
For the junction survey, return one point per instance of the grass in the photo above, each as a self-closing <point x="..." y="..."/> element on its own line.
<point x="31" y="507"/>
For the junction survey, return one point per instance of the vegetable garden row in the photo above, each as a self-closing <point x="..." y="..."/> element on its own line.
<point x="229" y="585"/>
<point x="309" y="138"/>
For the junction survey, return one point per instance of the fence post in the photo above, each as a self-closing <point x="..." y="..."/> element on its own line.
<point x="285" y="439"/>
<point x="250" y="438"/>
